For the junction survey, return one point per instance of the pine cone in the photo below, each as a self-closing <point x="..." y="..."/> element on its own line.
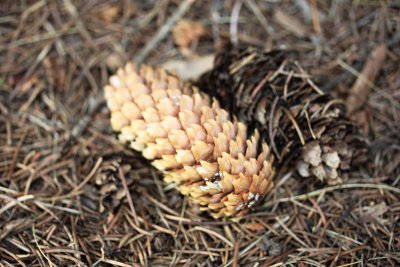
<point x="305" y="128"/>
<point x="191" y="139"/>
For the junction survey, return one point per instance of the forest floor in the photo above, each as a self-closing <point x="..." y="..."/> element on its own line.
<point x="68" y="188"/>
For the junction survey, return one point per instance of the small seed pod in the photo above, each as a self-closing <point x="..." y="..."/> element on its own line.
<point x="191" y="139"/>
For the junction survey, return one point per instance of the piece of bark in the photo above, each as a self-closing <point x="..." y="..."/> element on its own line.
<point x="358" y="94"/>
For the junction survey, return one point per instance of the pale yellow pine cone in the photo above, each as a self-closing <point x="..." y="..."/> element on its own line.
<point x="191" y="139"/>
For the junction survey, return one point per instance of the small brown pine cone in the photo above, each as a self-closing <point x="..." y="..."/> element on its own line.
<point x="306" y="128"/>
<point x="191" y="139"/>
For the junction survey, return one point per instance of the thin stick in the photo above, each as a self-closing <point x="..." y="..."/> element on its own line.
<point x="353" y="71"/>
<point x="358" y="94"/>
<point x="314" y="14"/>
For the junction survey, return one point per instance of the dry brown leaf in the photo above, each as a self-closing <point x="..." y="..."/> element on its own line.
<point x="186" y="34"/>
<point x="374" y="212"/>
<point x="28" y="83"/>
<point x="377" y="210"/>
<point x="110" y="13"/>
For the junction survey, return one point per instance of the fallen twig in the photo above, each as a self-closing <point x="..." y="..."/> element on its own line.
<point x="361" y="88"/>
